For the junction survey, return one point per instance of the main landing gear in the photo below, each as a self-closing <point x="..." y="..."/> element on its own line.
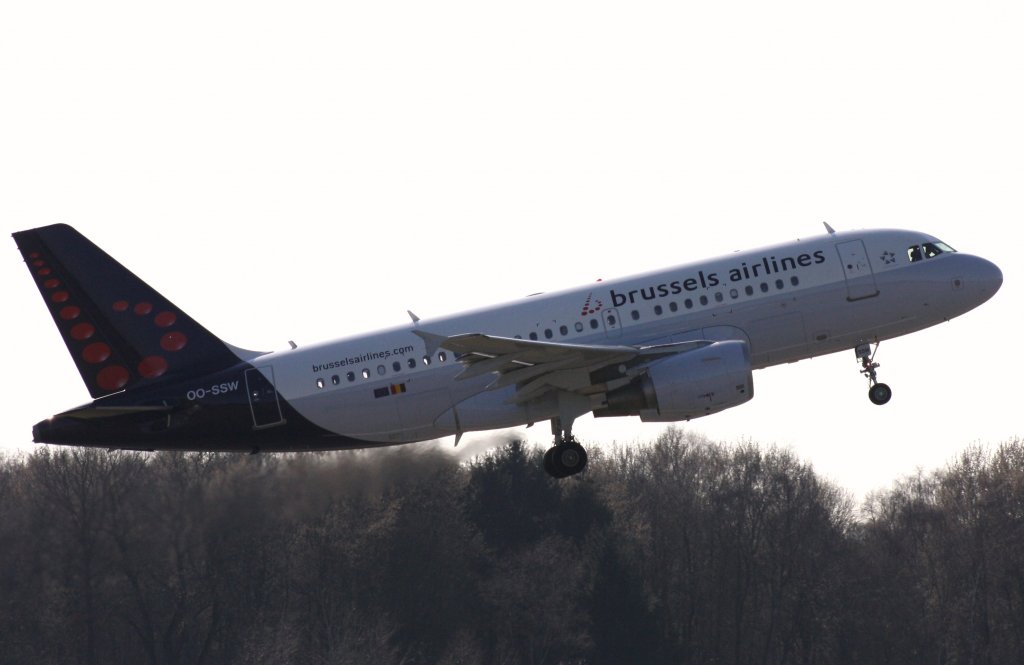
<point x="567" y="457"/>
<point x="878" y="393"/>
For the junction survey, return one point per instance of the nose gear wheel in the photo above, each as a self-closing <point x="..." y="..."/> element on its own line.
<point x="878" y="393"/>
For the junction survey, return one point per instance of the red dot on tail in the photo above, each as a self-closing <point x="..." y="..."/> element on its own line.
<point x="44" y="272"/>
<point x="83" y="331"/>
<point x="121" y="306"/>
<point x="165" y="319"/>
<point x="152" y="367"/>
<point x="34" y="255"/>
<point x="173" y="341"/>
<point x="51" y="283"/>
<point x="143" y="308"/>
<point x="96" y="353"/>
<point x="39" y="263"/>
<point x="70" y="313"/>
<point x="114" y="377"/>
<point x="60" y="296"/>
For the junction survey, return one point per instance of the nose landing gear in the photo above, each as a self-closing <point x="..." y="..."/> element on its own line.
<point x="567" y="457"/>
<point x="878" y="393"/>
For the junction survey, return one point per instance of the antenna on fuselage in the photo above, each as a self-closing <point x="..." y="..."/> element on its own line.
<point x="831" y="231"/>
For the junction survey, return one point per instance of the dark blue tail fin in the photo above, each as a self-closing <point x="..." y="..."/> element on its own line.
<point x="119" y="330"/>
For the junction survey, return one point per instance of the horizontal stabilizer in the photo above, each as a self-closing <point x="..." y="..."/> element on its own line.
<point x="90" y="412"/>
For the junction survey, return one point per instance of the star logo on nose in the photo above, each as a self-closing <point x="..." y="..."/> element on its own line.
<point x="889" y="258"/>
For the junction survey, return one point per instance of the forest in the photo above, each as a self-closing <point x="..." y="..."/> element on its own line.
<point x="680" y="550"/>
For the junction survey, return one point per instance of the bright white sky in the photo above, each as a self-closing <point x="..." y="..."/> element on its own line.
<point x="307" y="170"/>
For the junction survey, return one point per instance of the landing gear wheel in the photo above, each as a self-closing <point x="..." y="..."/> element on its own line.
<point x="565" y="459"/>
<point x="879" y="394"/>
<point x="549" y="464"/>
<point x="571" y="456"/>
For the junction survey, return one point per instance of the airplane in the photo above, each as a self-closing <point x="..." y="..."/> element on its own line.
<point x="669" y="345"/>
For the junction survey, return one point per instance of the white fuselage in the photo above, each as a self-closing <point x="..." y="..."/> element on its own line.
<point x="789" y="302"/>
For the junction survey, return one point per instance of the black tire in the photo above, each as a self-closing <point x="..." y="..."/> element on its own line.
<point x="550" y="466"/>
<point x="880" y="394"/>
<point x="565" y="459"/>
<point x="570" y="457"/>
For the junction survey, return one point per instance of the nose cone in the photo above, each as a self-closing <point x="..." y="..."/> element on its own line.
<point x="986" y="277"/>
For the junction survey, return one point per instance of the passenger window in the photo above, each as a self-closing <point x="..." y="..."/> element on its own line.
<point x="688" y="303"/>
<point x="703" y="300"/>
<point x="319" y="383"/>
<point x="351" y="376"/>
<point x="579" y="327"/>
<point x="794" y="280"/>
<point x="779" y="284"/>
<point x="548" y="334"/>
<point x="719" y="297"/>
<point x="335" y="379"/>
<point x="442" y="356"/>
<point x="564" y="330"/>
<point x="518" y="337"/>
<point x="611" y="320"/>
<point x="673" y="307"/>
<point x="412" y="363"/>
<point x="635" y="315"/>
<point x="734" y="294"/>
<point x="658" y="310"/>
<point x="381" y="370"/>
<point x="397" y="366"/>
<point x="366" y="373"/>
<point x="533" y="336"/>
<point x="594" y="324"/>
<point x="764" y="287"/>
<point x="426" y="360"/>
<point x="749" y="290"/>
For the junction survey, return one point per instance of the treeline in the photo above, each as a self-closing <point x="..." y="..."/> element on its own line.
<point x="681" y="551"/>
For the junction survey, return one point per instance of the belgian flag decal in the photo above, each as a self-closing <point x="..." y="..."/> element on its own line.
<point x="393" y="389"/>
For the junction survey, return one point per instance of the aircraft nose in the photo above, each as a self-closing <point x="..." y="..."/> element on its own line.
<point x="986" y="277"/>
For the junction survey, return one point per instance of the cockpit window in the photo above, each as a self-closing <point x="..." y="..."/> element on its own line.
<point x="935" y="248"/>
<point x="928" y="250"/>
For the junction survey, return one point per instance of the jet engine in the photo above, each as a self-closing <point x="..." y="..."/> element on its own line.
<point x="688" y="385"/>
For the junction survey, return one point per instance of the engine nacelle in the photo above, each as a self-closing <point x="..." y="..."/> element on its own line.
<point x="689" y="385"/>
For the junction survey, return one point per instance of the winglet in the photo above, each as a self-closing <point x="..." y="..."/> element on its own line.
<point x="831" y="231"/>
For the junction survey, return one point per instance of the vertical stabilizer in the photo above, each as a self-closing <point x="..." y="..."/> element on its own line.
<point x="120" y="332"/>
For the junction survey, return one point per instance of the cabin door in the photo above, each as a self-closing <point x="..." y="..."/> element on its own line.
<point x="860" y="279"/>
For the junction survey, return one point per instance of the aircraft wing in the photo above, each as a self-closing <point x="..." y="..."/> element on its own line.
<point x="536" y="367"/>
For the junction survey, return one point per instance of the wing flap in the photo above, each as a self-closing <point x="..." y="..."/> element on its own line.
<point x="474" y="347"/>
<point x="536" y="367"/>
